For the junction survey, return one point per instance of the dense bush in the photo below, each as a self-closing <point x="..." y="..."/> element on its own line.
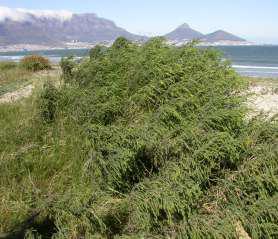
<point x="35" y="63"/>
<point x="67" y="65"/>
<point x="150" y="141"/>
<point x="48" y="101"/>
<point x="97" y="52"/>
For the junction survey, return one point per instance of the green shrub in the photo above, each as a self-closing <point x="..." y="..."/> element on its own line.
<point x="48" y="103"/>
<point x="67" y="64"/>
<point x="35" y="63"/>
<point x="121" y="43"/>
<point x="147" y="141"/>
<point x="97" y="52"/>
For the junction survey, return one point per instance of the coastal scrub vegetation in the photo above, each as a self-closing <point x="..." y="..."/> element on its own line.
<point x="7" y="65"/>
<point x="145" y="141"/>
<point x="12" y="76"/>
<point x="35" y="63"/>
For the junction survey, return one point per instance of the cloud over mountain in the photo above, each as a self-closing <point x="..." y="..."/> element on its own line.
<point x="62" y="28"/>
<point x="20" y="14"/>
<point x="56" y="28"/>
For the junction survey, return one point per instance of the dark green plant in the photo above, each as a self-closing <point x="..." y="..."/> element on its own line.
<point x="151" y="142"/>
<point x="48" y="103"/>
<point x="97" y="52"/>
<point x="121" y="43"/>
<point x="67" y="65"/>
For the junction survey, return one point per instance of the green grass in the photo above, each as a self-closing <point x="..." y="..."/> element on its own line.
<point x="7" y="65"/>
<point x="12" y="77"/>
<point x="139" y="142"/>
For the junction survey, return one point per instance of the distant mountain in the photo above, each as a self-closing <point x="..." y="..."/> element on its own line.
<point x="51" y="30"/>
<point x="221" y="36"/>
<point x="183" y="33"/>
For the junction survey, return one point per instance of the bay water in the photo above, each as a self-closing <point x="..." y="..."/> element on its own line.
<point x="254" y="61"/>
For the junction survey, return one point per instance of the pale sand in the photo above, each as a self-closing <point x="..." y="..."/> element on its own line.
<point x="11" y="97"/>
<point x="38" y="79"/>
<point x="263" y="99"/>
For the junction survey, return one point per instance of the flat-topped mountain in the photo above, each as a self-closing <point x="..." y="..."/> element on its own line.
<point x="63" y="29"/>
<point x="53" y="29"/>
<point x="183" y="33"/>
<point x="221" y="35"/>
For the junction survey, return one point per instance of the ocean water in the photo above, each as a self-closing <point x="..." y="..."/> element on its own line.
<point x="254" y="61"/>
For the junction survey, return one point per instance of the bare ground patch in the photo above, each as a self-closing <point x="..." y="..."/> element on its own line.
<point x="36" y="81"/>
<point x="16" y="95"/>
<point x="263" y="99"/>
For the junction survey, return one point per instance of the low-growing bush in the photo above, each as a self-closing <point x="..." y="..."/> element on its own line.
<point x="67" y="65"/>
<point x="48" y="103"/>
<point x="146" y="141"/>
<point x="97" y="52"/>
<point x="35" y="63"/>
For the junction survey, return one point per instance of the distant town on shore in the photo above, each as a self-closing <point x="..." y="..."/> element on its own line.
<point x="76" y="31"/>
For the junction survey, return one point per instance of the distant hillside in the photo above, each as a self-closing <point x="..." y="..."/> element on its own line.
<point x="62" y="28"/>
<point x="185" y="33"/>
<point x="221" y="36"/>
<point x="49" y="30"/>
<point x="182" y="33"/>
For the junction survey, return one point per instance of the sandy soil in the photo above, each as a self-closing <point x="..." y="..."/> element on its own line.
<point x="38" y="79"/>
<point x="16" y="95"/>
<point x="263" y="99"/>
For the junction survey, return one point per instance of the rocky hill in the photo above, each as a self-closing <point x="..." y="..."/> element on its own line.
<point x="183" y="33"/>
<point x="221" y="35"/>
<point x="65" y="29"/>
<point x="55" y="31"/>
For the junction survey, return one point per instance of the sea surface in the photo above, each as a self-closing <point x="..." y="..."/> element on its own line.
<point x="254" y="61"/>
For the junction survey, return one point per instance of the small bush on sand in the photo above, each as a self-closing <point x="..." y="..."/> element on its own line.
<point x="35" y="63"/>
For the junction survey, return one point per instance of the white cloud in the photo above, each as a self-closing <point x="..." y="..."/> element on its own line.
<point x="19" y="14"/>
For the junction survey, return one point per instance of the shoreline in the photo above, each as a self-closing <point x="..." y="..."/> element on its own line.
<point x="85" y="46"/>
<point x="248" y="60"/>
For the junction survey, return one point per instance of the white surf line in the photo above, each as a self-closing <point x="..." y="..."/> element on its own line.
<point x="256" y="67"/>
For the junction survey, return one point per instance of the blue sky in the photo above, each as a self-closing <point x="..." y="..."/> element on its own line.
<point x="255" y="20"/>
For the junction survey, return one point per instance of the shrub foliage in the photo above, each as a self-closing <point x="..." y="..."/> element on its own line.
<point x="67" y="65"/>
<point x="150" y="141"/>
<point x="35" y="63"/>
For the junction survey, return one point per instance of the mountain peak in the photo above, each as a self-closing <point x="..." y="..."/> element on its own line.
<point x="221" y="31"/>
<point x="183" y="33"/>
<point x="221" y="35"/>
<point x="184" y="25"/>
<point x="57" y="28"/>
